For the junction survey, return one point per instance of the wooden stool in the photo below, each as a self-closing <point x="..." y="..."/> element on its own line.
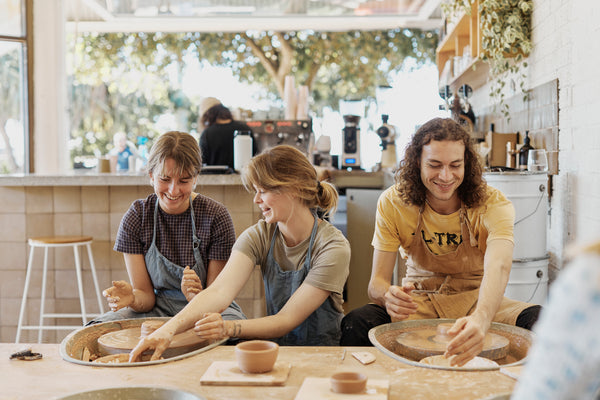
<point x="46" y="243"/>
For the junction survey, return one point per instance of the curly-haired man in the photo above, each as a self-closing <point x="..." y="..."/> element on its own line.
<point x="456" y="233"/>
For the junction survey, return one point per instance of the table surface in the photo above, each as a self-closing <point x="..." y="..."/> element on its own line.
<point x="52" y="377"/>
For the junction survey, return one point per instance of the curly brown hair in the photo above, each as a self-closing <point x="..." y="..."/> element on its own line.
<point x="472" y="191"/>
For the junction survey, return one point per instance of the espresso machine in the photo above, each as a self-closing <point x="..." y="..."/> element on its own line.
<point x="295" y="133"/>
<point x="351" y="111"/>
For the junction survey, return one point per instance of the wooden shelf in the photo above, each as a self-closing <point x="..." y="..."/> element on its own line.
<point x="475" y="75"/>
<point x="464" y="34"/>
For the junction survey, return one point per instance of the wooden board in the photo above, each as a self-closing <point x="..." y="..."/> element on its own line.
<point x="320" y="388"/>
<point x="227" y="373"/>
<point x="424" y="342"/>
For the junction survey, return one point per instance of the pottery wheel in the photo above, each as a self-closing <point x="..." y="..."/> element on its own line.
<point x="124" y="340"/>
<point x="475" y="363"/>
<point x="426" y="341"/>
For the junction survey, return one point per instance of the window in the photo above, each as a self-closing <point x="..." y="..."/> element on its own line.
<point x="14" y="108"/>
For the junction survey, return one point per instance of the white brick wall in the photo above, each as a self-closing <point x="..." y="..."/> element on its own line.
<point x="566" y="46"/>
<point x="566" y="39"/>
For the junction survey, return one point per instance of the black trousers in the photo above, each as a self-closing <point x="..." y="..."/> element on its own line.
<point x="357" y="323"/>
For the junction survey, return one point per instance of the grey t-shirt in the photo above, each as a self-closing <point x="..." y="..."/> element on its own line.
<point x="330" y="261"/>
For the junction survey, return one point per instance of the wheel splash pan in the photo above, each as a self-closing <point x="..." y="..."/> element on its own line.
<point x="82" y="344"/>
<point x="384" y="338"/>
<point x="137" y="392"/>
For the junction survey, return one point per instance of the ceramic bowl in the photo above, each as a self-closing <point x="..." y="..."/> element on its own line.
<point x="348" y="382"/>
<point x="256" y="356"/>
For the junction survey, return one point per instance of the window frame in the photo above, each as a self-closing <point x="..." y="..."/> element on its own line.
<point x="27" y="75"/>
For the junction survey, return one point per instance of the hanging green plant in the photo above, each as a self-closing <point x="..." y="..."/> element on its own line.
<point x="505" y="41"/>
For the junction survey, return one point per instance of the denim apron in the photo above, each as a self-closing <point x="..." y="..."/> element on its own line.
<point x="166" y="276"/>
<point x="166" y="279"/>
<point x="322" y="327"/>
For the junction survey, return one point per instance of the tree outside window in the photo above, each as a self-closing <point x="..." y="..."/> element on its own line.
<point x="129" y="81"/>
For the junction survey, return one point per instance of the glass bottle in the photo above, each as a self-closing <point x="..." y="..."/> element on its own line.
<point x="524" y="151"/>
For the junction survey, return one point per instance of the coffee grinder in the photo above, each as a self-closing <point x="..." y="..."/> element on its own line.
<point x="387" y="133"/>
<point x="351" y="111"/>
<point x="385" y="103"/>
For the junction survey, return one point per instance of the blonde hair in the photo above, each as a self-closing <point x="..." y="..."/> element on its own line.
<point x="182" y="148"/>
<point x="286" y="169"/>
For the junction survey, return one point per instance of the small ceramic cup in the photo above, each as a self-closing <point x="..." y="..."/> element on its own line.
<point x="348" y="382"/>
<point x="256" y="356"/>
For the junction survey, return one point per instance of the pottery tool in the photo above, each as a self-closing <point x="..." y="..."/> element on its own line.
<point x="365" y="357"/>
<point x="227" y="373"/>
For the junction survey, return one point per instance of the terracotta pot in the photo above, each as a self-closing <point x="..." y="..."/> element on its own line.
<point x="348" y="382"/>
<point x="256" y="356"/>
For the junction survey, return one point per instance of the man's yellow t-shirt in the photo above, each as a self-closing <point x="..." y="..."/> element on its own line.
<point x="396" y="223"/>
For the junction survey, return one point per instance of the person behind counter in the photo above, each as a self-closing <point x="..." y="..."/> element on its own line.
<point x="564" y="362"/>
<point x="122" y="151"/>
<point x="458" y="235"/>
<point x="216" y="140"/>
<point x="304" y="262"/>
<point x="172" y="228"/>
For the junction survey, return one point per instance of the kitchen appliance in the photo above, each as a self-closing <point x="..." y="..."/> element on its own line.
<point x="352" y="111"/>
<point x="387" y="133"/>
<point x="322" y="152"/>
<point x="270" y="133"/>
<point x="351" y="142"/>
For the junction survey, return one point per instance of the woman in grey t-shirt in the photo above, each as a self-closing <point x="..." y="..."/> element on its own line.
<point x="304" y="261"/>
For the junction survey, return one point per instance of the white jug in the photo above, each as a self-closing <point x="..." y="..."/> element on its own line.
<point x="242" y="149"/>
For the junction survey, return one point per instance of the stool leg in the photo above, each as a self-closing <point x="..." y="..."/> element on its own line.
<point x="95" y="278"/>
<point x="43" y="295"/>
<point x="25" y="290"/>
<point x="80" y="284"/>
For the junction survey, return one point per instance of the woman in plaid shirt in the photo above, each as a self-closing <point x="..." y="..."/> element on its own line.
<point x="175" y="242"/>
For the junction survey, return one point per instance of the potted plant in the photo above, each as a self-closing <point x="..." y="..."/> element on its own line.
<point x="505" y="40"/>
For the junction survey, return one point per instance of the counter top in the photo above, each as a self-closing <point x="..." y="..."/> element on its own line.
<point x="52" y="377"/>
<point x="105" y="179"/>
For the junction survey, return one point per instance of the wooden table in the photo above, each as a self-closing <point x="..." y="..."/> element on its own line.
<point x="52" y="377"/>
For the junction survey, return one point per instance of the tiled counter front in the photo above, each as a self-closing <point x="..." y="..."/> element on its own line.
<point x="86" y="205"/>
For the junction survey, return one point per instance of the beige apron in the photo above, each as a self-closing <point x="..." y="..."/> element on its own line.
<point x="455" y="277"/>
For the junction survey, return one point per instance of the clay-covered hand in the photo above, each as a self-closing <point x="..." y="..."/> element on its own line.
<point x="468" y="333"/>
<point x="191" y="284"/>
<point x="399" y="303"/>
<point x="213" y="327"/>
<point x="159" y="340"/>
<point x="119" y="295"/>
